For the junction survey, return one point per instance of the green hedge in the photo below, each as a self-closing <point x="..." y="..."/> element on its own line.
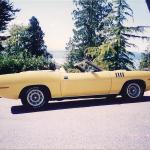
<point x="15" y="64"/>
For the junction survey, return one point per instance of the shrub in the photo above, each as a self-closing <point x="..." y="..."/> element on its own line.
<point x="15" y="64"/>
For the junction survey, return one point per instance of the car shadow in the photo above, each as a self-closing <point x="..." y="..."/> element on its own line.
<point x="78" y="104"/>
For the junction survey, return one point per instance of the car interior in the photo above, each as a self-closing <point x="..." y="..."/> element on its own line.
<point x="87" y="66"/>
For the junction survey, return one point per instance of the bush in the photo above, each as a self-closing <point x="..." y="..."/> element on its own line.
<point x="15" y="64"/>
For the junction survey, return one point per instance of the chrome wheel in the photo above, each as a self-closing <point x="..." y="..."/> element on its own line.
<point x="35" y="97"/>
<point x="133" y="90"/>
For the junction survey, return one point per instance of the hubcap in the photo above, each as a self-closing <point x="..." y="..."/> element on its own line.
<point x="35" y="97"/>
<point x="133" y="90"/>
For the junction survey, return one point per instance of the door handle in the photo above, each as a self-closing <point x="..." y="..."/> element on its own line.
<point x="66" y="77"/>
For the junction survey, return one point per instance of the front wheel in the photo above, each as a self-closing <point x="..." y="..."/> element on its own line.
<point x="133" y="90"/>
<point x="34" y="97"/>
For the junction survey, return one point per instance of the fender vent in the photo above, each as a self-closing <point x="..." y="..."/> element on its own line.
<point x="119" y="75"/>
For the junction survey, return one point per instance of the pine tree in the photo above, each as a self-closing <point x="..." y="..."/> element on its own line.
<point x="7" y="13"/>
<point x="113" y="53"/>
<point x="17" y="57"/>
<point x="36" y="45"/>
<point x="87" y="16"/>
<point x="148" y="4"/>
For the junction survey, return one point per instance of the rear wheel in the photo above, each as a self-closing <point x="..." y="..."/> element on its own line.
<point x="34" y="97"/>
<point x="133" y="90"/>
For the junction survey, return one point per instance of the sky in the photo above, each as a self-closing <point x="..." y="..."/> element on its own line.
<point x="56" y="20"/>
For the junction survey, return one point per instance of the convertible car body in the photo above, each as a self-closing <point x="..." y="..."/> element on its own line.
<point x="36" y="88"/>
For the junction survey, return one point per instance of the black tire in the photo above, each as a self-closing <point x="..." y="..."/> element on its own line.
<point x="34" y="97"/>
<point x="133" y="90"/>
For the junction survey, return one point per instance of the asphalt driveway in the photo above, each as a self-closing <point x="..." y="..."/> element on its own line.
<point x="80" y="124"/>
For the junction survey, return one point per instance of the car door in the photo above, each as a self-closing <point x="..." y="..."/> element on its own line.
<point x="85" y="84"/>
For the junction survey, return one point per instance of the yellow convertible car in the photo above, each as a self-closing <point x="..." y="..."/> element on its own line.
<point x="36" y="88"/>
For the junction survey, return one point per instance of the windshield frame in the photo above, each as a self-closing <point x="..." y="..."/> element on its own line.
<point x="80" y="67"/>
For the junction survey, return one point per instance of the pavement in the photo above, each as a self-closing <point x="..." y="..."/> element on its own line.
<point x="80" y="124"/>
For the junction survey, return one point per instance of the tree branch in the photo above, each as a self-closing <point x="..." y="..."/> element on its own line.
<point x="148" y="4"/>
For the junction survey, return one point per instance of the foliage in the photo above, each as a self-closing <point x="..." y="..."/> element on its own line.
<point x="18" y="63"/>
<point x="18" y="41"/>
<point x="36" y="44"/>
<point x="106" y="57"/>
<point x="21" y="39"/>
<point x="71" y="70"/>
<point x="73" y="55"/>
<point x="25" y="49"/>
<point x="17" y="56"/>
<point x="114" y="53"/>
<point x="145" y="59"/>
<point x="7" y="13"/>
<point x="87" y="16"/>
<point x="148" y="4"/>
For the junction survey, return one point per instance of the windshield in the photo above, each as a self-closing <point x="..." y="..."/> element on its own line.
<point x="87" y="66"/>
